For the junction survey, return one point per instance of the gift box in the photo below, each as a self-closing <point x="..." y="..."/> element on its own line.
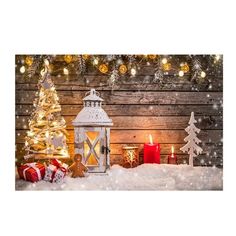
<point x="59" y="164"/>
<point x="55" y="171"/>
<point x="31" y="171"/>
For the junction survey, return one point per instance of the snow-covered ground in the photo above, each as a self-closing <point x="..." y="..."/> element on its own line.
<point x="143" y="177"/>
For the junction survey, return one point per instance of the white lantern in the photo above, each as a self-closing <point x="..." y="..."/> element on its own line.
<point x="92" y="134"/>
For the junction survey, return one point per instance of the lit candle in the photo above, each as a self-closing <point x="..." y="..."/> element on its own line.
<point x="151" y="152"/>
<point x="172" y="159"/>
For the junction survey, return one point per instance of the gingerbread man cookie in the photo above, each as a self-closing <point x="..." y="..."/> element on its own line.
<point x="77" y="168"/>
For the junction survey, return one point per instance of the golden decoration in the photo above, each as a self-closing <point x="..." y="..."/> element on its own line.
<point x="152" y="57"/>
<point x="85" y="56"/>
<point x="130" y="156"/>
<point x="123" y="69"/>
<point x="184" y="67"/>
<point x="103" y="68"/>
<point x="68" y="58"/>
<point x="166" y="67"/>
<point x="29" y="60"/>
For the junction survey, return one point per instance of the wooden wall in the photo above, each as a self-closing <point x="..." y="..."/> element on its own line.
<point x="138" y="107"/>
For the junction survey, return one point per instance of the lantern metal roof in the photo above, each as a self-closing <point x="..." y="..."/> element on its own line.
<point x="92" y="113"/>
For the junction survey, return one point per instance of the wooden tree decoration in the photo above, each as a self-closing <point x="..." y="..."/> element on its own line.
<point x="191" y="147"/>
<point x="47" y="135"/>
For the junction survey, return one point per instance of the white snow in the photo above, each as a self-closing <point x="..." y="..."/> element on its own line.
<point x="143" y="177"/>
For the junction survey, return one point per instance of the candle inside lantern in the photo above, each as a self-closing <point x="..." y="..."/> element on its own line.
<point x="172" y="159"/>
<point x="151" y="152"/>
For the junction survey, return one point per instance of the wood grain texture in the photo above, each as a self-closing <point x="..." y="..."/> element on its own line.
<point x="129" y="97"/>
<point x="116" y="149"/>
<point x="137" y="110"/>
<point x="144" y="83"/>
<point x="144" y="122"/>
<point x="138" y="107"/>
<point x="142" y="136"/>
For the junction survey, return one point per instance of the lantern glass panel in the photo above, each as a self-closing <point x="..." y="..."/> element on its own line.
<point x="92" y="148"/>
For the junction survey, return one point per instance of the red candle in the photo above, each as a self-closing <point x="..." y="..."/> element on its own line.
<point x="151" y="152"/>
<point x="172" y="159"/>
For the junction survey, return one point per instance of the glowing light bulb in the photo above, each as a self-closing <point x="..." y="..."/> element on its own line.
<point x="47" y="134"/>
<point x="65" y="71"/>
<point x="203" y="74"/>
<point x="181" y="73"/>
<point x="40" y="115"/>
<point x="133" y="72"/>
<point x="54" y="123"/>
<point x="95" y="61"/>
<point x="217" y="57"/>
<point x="46" y="62"/>
<point x="164" y="61"/>
<point x="30" y="133"/>
<point x="22" y="69"/>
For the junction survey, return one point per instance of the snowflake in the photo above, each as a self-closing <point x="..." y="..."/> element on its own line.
<point x="215" y="106"/>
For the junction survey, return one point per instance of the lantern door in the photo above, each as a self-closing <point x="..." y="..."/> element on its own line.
<point x="94" y="158"/>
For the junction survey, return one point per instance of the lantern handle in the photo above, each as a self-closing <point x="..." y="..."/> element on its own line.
<point x="92" y="92"/>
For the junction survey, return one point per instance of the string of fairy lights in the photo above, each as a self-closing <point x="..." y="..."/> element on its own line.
<point x="117" y="66"/>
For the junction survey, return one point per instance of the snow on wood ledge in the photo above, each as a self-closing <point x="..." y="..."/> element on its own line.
<point x="143" y="177"/>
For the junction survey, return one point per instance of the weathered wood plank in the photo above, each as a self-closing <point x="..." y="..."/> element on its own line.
<point x="144" y="122"/>
<point x="141" y="83"/>
<point x="142" y="136"/>
<point x="209" y="149"/>
<point x="137" y="110"/>
<point x="125" y="97"/>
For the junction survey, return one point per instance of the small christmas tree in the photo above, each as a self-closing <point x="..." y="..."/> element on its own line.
<point x="47" y="135"/>
<point x="191" y="147"/>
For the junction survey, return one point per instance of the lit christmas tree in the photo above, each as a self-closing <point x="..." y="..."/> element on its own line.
<point x="191" y="147"/>
<point x="47" y="135"/>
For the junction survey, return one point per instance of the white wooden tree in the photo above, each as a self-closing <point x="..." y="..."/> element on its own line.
<point x="191" y="147"/>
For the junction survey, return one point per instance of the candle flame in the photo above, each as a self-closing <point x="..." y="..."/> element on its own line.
<point x="172" y="151"/>
<point x="150" y="138"/>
